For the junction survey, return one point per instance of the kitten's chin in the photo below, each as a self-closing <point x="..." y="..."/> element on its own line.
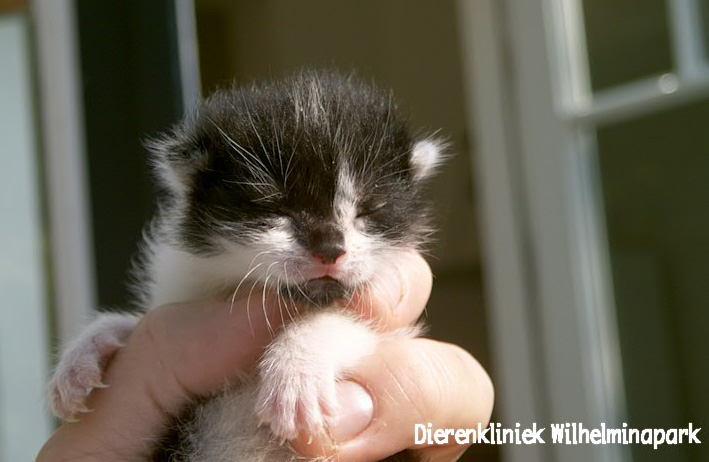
<point x="319" y="292"/>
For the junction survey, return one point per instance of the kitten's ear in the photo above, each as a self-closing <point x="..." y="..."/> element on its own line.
<point x="176" y="156"/>
<point x="426" y="156"/>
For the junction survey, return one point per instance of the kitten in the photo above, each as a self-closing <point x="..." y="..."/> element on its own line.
<point x="311" y="186"/>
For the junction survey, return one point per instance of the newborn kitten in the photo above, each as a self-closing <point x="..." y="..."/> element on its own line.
<point x="312" y="187"/>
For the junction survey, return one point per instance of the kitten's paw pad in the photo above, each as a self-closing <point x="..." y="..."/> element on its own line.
<point x="79" y="371"/>
<point x="294" y="403"/>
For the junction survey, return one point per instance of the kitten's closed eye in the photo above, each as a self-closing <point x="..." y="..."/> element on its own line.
<point x="369" y="208"/>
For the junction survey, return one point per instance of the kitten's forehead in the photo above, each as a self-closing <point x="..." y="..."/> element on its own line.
<point x="316" y="147"/>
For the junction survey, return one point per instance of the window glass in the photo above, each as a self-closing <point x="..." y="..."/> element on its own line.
<point x="655" y="180"/>
<point x="704" y="12"/>
<point x="626" y="39"/>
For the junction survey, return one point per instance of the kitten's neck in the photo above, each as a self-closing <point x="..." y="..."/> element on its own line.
<point x="176" y="275"/>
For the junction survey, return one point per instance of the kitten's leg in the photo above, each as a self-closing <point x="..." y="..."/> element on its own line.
<point x="299" y="371"/>
<point x="82" y="362"/>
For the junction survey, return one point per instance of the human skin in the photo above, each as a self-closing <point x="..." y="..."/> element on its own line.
<point x="183" y="351"/>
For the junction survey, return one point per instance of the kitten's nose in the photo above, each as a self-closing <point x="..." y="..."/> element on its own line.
<point x="330" y="255"/>
<point x="326" y="243"/>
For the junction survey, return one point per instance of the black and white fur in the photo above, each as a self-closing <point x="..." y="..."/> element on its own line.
<point x="311" y="187"/>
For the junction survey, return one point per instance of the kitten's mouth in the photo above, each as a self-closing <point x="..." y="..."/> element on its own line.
<point x="325" y="279"/>
<point x="321" y="291"/>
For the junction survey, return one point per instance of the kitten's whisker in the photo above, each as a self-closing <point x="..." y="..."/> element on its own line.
<point x="248" y="273"/>
<point x="263" y="298"/>
<point x="278" y="299"/>
<point x="285" y="272"/>
<point x="248" y="308"/>
<point x="297" y="286"/>
<point x="290" y="295"/>
<point x="350" y="300"/>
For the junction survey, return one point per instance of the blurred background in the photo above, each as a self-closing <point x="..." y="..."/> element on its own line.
<point x="573" y="252"/>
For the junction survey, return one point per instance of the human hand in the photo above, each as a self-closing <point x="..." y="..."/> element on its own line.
<point x="182" y="351"/>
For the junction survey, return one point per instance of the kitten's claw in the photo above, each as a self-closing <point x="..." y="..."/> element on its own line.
<point x="85" y="410"/>
<point x="291" y="402"/>
<point x="81" y="367"/>
<point x="71" y="385"/>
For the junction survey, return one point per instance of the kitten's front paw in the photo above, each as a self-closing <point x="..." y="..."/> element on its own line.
<point x="292" y="401"/>
<point x="79" y="371"/>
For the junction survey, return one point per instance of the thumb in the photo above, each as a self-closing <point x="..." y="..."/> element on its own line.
<point x="408" y="382"/>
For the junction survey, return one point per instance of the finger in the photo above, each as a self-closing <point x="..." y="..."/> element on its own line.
<point x="207" y="344"/>
<point x="176" y="352"/>
<point x="399" y="296"/>
<point x="412" y="382"/>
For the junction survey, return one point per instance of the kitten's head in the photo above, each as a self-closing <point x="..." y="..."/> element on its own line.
<point x="315" y="182"/>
